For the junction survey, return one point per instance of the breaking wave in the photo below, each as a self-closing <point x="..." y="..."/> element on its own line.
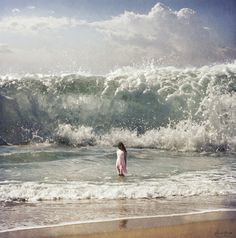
<point x="163" y="107"/>
<point x="205" y="183"/>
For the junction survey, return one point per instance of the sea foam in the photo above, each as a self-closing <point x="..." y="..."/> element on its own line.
<point x="164" y="107"/>
<point x="204" y="183"/>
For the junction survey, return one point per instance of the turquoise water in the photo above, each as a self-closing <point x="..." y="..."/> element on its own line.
<point x="77" y="184"/>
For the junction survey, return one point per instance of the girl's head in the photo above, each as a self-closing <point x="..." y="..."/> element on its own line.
<point x="121" y="146"/>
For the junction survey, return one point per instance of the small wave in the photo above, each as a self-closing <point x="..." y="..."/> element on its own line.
<point x="183" y="185"/>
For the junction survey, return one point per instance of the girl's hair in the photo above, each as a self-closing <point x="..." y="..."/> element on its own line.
<point x="121" y="146"/>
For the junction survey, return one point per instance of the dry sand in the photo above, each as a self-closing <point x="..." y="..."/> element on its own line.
<point x="220" y="224"/>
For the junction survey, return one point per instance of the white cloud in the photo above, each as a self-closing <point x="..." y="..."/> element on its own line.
<point x="31" y="7"/>
<point x="170" y="37"/>
<point x="27" y="24"/>
<point x="15" y="10"/>
<point x="163" y="32"/>
<point x="5" y="49"/>
<point x="156" y="26"/>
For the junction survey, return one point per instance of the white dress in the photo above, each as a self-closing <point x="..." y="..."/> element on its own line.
<point x="120" y="162"/>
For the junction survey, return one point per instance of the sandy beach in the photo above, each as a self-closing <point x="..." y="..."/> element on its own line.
<point x="205" y="225"/>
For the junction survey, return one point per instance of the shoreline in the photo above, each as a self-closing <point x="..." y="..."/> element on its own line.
<point x="218" y="223"/>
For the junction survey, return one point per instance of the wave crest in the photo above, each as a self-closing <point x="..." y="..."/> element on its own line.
<point x="182" y="109"/>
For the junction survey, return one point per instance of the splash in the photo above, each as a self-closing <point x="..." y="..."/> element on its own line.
<point x="163" y="107"/>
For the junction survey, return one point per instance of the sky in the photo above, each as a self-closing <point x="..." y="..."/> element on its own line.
<point x="98" y="36"/>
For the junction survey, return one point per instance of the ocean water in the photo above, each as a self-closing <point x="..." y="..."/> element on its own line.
<point x="179" y="126"/>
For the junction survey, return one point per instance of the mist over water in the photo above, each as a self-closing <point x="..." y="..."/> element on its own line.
<point x="148" y="106"/>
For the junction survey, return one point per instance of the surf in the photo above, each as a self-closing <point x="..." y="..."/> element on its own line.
<point x="170" y="108"/>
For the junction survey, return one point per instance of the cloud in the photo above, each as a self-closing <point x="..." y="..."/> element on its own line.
<point x="31" y="7"/>
<point x="4" y="49"/>
<point x="163" y="32"/>
<point x="177" y="38"/>
<point x="26" y="24"/>
<point x="159" y="26"/>
<point x="15" y="10"/>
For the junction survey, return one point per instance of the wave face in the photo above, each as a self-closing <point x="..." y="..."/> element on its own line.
<point x="169" y="108"/>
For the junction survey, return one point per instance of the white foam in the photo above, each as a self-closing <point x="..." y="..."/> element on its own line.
<point x="201" y="103"/>
<point x="171" y="108"/>
<point x="184" y="136"/>
<point x="202" y="183"/>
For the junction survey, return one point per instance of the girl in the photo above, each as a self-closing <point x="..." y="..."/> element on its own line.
<point x="121" y="159"/>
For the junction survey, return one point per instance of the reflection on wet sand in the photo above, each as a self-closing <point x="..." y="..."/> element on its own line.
<point x="123" y="224"/>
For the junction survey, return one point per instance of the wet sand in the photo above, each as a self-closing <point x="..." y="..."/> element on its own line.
<point x="219" y="224"/>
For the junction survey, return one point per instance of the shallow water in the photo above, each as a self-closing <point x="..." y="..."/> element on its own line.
<point x="49" y="184"/>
